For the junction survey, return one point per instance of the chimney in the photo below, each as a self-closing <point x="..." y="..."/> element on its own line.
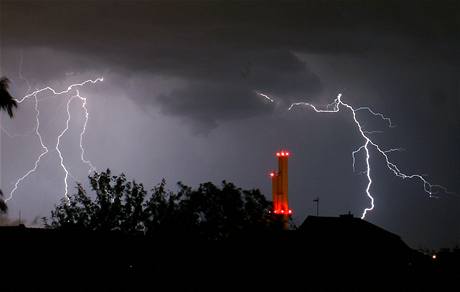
<point x="280" y="186"/>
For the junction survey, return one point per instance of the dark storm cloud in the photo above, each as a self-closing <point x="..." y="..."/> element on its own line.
<point x="221" y="88"/>
<point x="225" y="50"/>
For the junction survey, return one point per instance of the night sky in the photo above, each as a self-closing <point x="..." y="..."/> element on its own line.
<point x="178" y="100"/>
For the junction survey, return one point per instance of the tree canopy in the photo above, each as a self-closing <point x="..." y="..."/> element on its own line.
<point x="3" y="206"/>
<point x="7" y="102"/>
<point x="209" y="211"/>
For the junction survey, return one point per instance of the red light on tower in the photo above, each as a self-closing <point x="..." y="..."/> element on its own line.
<point x="280" y="186"/>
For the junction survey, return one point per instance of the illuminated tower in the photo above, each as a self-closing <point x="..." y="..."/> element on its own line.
<point x="280" y="186"/>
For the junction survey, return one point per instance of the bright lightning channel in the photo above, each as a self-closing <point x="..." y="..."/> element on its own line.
<point x="100" y="79"/>
<point x="59" y="150"/>
<point x="265" y="96"/>
<point x="34" y="95"/>
<point x="431" y="189"/>
<point x="82" y="133"/>
<point x="44" y="152"/>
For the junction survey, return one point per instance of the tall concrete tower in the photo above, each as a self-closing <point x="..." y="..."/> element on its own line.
<point x="280" y="186"/>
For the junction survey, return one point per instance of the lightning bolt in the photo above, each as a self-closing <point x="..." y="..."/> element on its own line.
<point x="431" y="189"/>
<point x="82" y="133"/>
<point x="265" y="96"/>
<point x="59" y="150"/>
<point x="100" y="79"/>
<point x="45" y="151"/>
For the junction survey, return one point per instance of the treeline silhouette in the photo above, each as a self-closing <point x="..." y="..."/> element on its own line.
<point x="207" y="212"/>
<point x="118" y="236"/>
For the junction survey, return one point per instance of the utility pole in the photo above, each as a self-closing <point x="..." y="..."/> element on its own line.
<point x="317" y="206"/>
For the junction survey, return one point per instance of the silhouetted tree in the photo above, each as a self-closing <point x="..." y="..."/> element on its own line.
<point x="216" y="213"/>
<point x="117" y="205"/>
<point x="7" y="102"/>
<point x="3" y="206"/>
<point x="120" y="205"/>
